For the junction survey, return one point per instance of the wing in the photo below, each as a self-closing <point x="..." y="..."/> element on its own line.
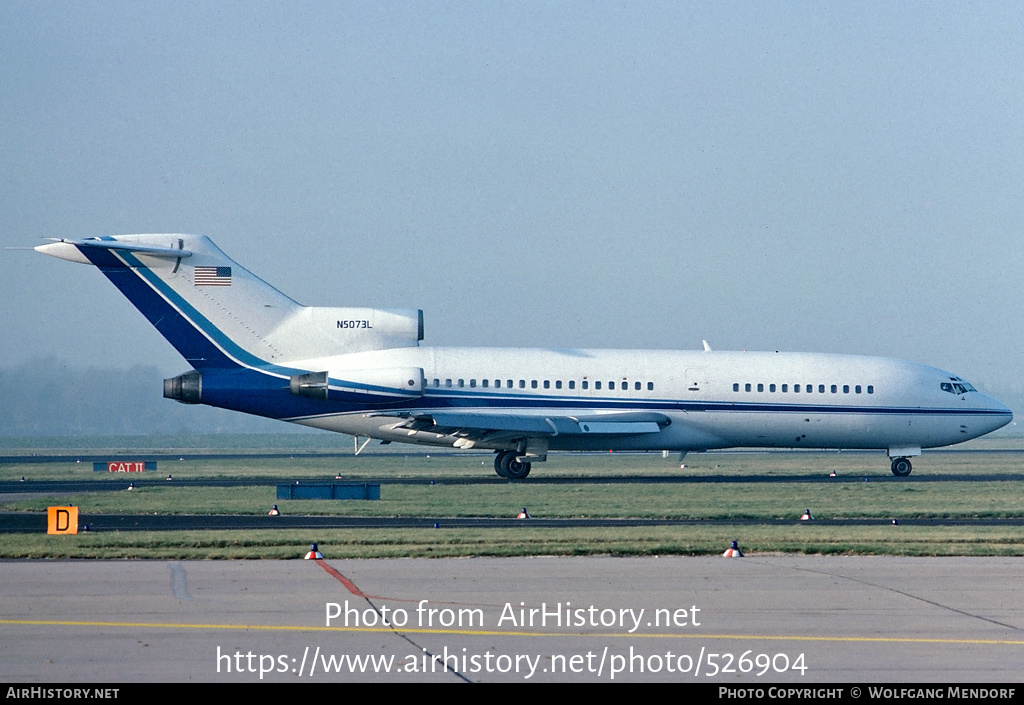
<point x="477" y="426"/>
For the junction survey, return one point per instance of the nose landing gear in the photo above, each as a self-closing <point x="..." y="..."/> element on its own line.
<point x="901" y="467"/>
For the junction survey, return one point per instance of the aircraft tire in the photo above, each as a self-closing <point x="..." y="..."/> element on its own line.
<point x="499" y="464"/>
<point x="901" y="467"/>
<point x="517" y="469"/>
<point x="508" y="466"/>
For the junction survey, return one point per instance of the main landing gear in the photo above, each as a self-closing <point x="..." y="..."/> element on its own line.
<point x="507" y="465"/>
<point x="901" y="467"/>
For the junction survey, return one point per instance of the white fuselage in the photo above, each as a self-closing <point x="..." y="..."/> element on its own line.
<point x="714" y="399"/>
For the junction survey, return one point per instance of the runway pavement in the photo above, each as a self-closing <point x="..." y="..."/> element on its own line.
<point x="754" y="620"/>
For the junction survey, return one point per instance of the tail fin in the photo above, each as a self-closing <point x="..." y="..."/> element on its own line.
<point x="217" y="314"/>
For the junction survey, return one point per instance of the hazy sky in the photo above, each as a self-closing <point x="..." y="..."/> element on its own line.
<point x="837" y="177"/>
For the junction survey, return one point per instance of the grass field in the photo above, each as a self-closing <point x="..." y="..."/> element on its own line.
<point x="719" y="486"/>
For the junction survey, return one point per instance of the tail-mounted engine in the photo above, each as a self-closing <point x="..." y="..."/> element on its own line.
<point x="186" y="388"/>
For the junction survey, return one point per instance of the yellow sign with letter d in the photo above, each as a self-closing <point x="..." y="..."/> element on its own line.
<point x="62" y="520"/>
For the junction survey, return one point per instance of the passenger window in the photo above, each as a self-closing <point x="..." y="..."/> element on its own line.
<point x="437" y="382"/>
<point x="585" y="384"/>
<point x="785" y="387"/>
<point x="572" y="384"/>
<point x="484" y="382"/>
<point x="462" y="383"/>
<point x="746" y="387"/>
<point x="735" y="387"/>
<point x="857" y="389"/>
<point x="760" y="387"/>
<point x="796" y="388"/>
<point x="447" y="383"/>
<point x="522" y="384"/>
<point x="834" y="389"/>
<point x="650" y="386"/>
<point x="547" y="384"/>
<point x="533" y="384"/>
<point x="510" y="385"/>
<point x="636" y="386"/>
<point x="597" y="385"/>
<point x="871" y="389"/>
<point x="846" y="389"/>
<point x="771" y="387"/>
<point x="558" y="384"/>
<point x="611" y="385"/>
<point x="472" y="383"/>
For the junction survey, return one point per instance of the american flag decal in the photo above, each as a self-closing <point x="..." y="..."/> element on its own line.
<point x="213" y="276"/>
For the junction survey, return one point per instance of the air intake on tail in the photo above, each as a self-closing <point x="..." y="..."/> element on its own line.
<point x="389" y="384"/>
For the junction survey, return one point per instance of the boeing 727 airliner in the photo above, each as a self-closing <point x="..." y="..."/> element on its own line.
<point x="362" y="371"/>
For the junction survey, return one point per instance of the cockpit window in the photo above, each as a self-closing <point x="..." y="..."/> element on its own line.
<point x="957" y="386"/>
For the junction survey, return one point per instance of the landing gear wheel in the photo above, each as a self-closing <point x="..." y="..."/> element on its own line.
<point x="508" y="466"/>
<point x="498" y="464"/>
<point x="901" y="467"/>
<point x="517" y="469"/>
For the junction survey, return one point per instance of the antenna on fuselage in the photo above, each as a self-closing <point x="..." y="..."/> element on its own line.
<point x="707" y="348"/>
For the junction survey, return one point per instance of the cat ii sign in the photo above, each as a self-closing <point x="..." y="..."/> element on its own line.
<point x="124" y="466"/>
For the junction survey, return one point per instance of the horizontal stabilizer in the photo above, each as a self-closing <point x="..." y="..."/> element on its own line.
<point x="68" y="249"/>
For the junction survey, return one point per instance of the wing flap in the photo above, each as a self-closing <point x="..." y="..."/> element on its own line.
<point x="478" y="425"/>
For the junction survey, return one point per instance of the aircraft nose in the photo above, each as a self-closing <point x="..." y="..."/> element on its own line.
<point x="1001" y="413"/>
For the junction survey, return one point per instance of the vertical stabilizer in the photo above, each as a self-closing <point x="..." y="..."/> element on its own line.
<point x="218" y="314"/>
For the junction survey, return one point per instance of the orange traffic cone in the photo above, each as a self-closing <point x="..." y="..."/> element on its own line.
<point x="733" y="551"/>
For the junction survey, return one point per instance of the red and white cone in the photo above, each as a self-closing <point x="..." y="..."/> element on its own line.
<point x="807" y="516"/>
<point x="733" y="551"/>
<point x="314" y="553"/>
<point x="274" y="512"/>
<point x="523" y="514"/>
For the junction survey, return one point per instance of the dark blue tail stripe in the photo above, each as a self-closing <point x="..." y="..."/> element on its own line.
<point x="186" y="338"/>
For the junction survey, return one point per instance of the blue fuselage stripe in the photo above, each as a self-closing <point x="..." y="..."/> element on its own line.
<point x="492" y="402"/>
